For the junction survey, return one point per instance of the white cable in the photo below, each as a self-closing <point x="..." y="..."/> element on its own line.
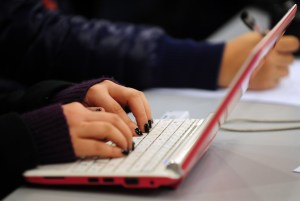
<point x="265" y="121"/>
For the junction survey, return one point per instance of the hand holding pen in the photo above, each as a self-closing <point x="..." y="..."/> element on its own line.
<point x="275" y="66"/>
<point x="277" y="62"/>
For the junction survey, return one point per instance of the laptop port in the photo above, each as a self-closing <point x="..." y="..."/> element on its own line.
<point x="93" y="180"/>
<point x="131" y="181"/>
<point x="108" y="180"/>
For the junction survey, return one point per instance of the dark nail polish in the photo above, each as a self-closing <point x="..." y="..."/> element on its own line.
<point x="150" y="123"/>
<point x="146" y="127"/>
<point x="138" y="131"/>
<point x="125" y="152"/>
<point x="98" y="110"/>
<point x="133" y="146"/>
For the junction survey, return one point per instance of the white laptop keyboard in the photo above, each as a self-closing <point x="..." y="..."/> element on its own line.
<point x="150" y="149"/>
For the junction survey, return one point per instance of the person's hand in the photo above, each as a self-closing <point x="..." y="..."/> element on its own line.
<point x="275" y="66"/>
<point x="114" y="98"/>
<point x="90" y="130"/>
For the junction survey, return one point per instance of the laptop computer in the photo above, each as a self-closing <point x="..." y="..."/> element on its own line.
<point x="164" y="156"/>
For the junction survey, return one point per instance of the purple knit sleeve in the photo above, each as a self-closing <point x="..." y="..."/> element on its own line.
<point x="51" y="135"/>
<point x="76" y="92"/>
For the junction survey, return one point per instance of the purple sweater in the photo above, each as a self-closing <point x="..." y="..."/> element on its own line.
<point x="49" y="126"/>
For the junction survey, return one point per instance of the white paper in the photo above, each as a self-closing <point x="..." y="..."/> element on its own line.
<point x="297" y="169"/>
<point x="287" y="92"/>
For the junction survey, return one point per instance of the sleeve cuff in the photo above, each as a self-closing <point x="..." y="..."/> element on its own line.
<point x="50" y="134"/>
<point x="188" y="63"/>
<point x="77" y="92"/>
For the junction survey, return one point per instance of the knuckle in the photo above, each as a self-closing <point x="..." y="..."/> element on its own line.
<point x="93" y="89"/>
<point x="107" y="127"/>
<point x="115" y="108"/>
<point x="115" y="119"/>
<point x="76" y="105"/>
<point x="141" y="93"/>
<point x="97" y="148"/>
<point x="107" y="81"/>
<point x="135" y="93"/>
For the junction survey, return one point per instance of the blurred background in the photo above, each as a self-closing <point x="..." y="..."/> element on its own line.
<point x="195" y="19"/>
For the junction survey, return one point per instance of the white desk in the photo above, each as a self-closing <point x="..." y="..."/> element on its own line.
<point x="238" y="166"/>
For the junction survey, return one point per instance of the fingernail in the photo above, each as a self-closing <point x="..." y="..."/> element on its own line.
<point x="98" y="109"/>
<point x="125" y="152"/>
<point x="138" y="131"/>
<point x="146" y="127"/>
<point x="133" y="145"/>
<point x="150" y="123"/>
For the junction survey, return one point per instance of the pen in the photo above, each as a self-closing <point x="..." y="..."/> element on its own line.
<point x="251" y="23"/>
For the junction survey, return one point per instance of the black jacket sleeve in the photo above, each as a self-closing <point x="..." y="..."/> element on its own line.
<point x="36" y="96"/>
<point x="37" y="44"/>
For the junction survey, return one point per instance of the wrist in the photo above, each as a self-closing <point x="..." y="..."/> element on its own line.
<point x="77" y="92"/>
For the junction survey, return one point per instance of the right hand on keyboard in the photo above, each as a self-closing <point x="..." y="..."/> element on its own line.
<point x="91" y="130"/>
